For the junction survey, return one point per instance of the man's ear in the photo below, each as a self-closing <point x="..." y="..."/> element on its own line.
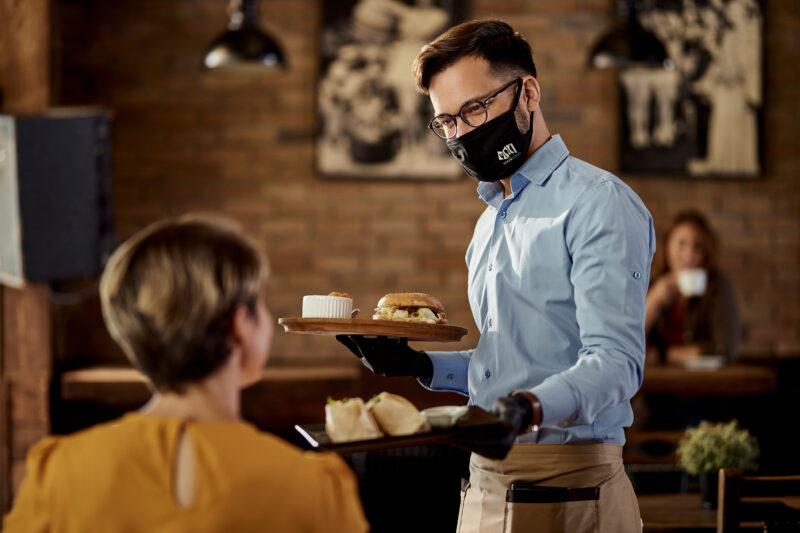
<point x="532" y="92"/>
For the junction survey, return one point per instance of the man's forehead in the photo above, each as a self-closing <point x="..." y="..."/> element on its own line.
<point x="467" y="79"/>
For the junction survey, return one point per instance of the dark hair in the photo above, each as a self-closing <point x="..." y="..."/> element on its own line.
<point x="169" y="294"/>
<point x="709" y="239"/>
<point x="493" y="40"/>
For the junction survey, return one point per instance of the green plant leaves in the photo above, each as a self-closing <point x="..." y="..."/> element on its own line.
<point x="710" y="446"/>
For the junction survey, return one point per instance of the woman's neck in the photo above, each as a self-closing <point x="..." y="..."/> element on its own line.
<point x="215" y="398"/>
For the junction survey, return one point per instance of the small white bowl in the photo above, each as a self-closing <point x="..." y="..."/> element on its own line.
<point x="319" y="306"/>
<point x="444" y="416"/>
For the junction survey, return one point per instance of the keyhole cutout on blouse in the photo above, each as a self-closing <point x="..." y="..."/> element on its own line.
<point x="184" y="470"/>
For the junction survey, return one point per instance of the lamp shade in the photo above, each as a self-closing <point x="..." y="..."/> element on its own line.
<point x="244" y="46"/>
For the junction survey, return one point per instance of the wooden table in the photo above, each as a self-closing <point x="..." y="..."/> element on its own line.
<point x="726" y="381"/>
<point x="283" y="397"/>
<point x="676" y="512"/>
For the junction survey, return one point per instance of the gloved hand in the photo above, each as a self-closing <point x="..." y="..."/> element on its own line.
<point x="389" y="356"/>
<point x="516" y="412"/>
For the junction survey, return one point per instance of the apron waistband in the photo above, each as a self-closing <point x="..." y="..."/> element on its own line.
<point x="548" y="461"/>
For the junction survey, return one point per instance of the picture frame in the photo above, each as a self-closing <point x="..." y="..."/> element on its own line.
<point x="701" y="116"/>
<point x="372" y="120"/>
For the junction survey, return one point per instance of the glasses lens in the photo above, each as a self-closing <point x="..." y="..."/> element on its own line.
<point x="444" y="126"/>
<point x="474" y="113"/>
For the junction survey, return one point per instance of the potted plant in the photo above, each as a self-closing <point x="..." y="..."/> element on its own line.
<point x="705" y="449"/>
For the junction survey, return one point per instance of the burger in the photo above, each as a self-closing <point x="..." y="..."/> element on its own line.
<point x="410" y="307"/>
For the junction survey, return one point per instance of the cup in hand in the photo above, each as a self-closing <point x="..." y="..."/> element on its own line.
<point x="692" y="282"/>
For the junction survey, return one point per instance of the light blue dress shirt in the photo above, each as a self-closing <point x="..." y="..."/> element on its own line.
<point x="558" y="275"/>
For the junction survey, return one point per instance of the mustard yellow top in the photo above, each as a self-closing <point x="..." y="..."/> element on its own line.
<point x="119" y="476"/>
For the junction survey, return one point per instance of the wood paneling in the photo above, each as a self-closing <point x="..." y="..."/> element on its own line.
<point x="24" y="55"/>
<point x="25" y="378"/>
<point x="25" y="346"/>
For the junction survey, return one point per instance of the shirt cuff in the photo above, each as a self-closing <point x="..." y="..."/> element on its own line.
<point x="449" y="373"/>
<point x="557" y="399"/>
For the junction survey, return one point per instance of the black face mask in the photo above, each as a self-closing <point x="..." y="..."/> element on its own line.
<point x="494" y="150"/>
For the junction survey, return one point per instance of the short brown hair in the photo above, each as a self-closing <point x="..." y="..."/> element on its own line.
<point x="506" y="51"/>
<point x="169" y="294"/>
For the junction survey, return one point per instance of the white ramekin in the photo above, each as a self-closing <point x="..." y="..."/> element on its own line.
<point x="318" y="306"/>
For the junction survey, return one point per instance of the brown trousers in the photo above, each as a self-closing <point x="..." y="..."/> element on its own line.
<point x="575" y="488"/>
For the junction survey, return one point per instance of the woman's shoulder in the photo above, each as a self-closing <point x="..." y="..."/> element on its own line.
<point x="55" y="452"/>
<point x="245" y="443"/>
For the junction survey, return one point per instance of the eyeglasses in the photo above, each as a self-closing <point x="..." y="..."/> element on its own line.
<point x="474" y="113"/>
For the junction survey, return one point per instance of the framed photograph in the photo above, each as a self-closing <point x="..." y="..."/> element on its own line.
<point x="372" y="121"/>
<point x="701" y="117"/>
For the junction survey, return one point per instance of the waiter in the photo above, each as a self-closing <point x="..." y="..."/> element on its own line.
<point x="558" y="273"/>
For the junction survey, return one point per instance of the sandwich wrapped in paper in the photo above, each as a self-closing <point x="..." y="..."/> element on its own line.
<point x="349" y="420"/>
<point x="396" y="415"/>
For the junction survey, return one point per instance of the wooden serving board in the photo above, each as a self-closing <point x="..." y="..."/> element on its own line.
<point x="359" y="326"/>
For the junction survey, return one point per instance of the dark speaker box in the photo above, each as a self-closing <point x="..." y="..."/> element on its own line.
<point x="55" y="196"/>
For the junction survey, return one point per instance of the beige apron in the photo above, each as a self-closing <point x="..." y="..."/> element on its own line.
<point x="575" y="488"/>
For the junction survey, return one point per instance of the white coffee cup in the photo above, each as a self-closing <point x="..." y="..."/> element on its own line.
<point x="692" y="281"/>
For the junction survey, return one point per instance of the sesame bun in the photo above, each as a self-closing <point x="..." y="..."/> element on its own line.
<point x="411" y="299"/>
<point x="410" y="307"/>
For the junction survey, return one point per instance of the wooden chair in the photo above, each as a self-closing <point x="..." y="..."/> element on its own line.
<point x="757" y="503"/>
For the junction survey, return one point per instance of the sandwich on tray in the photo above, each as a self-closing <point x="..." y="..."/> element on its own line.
<point x="396" y="415"/>
<point x="349" y="419"/>
<point x="410" y="307"/>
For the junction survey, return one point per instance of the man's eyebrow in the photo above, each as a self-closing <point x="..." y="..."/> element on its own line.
<point x="474" y="99"/>
<point x="478" y="98"/>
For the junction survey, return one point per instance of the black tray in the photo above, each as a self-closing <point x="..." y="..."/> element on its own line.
<point x="474" y="423"/>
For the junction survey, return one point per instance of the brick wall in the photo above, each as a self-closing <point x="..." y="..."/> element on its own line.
<point x="244" y="145"/>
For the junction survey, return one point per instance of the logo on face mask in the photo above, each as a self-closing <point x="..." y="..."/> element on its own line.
<point x="477" y="150"/>
<point x="508" y="152"/>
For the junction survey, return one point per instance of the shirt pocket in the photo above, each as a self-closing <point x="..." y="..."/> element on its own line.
<point x="551" y="509"/>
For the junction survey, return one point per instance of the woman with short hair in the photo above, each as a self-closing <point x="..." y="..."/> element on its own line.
<point x="183" y="299"/>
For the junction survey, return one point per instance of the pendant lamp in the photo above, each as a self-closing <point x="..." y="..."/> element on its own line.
<point x="244" y="46"/>
<point x="628" y="43"/>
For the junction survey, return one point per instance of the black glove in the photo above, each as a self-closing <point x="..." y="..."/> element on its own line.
<point x="515" y="411"/>
<point x="389" y="356"/>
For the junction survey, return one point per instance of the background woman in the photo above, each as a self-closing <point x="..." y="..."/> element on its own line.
<point x="683" y="327"/>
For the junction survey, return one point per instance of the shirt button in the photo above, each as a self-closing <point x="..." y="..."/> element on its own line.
<point x="503" y="214"/>
<point x="637" y="275"/>
<point x="490" y="322"/>
<point x="450" y="377"/>
<point x="488" y="374"/>
<point x="490" y="267"/>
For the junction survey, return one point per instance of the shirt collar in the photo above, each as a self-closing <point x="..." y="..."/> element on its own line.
<point x="537" y="169"/>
